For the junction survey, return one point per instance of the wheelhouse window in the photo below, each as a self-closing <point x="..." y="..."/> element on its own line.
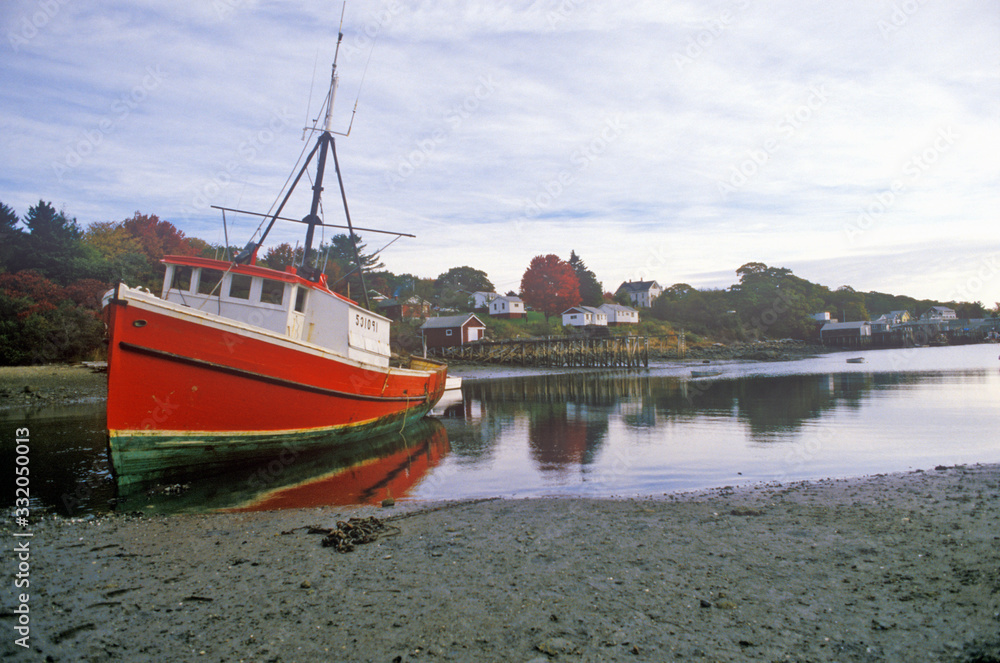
<point x="208" y="284"/>
<point x="182" y="278"/>
<point x="239" y="286"/>
<point x="300" y="300"/>
<point x="272" y="292"/>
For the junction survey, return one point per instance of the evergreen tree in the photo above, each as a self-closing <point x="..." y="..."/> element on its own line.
<point x="11" y="240"/>
<point x="54" y="246"/>
<point x="591" y="291"/>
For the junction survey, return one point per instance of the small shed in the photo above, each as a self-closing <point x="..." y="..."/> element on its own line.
<point x="584" y="316"/>
<point x="846" y="334"/>
<point x="507" y="306"/>
<point x="451" y="330"/>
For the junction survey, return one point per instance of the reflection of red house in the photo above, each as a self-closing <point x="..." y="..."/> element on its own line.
<point x="451" y="330"/>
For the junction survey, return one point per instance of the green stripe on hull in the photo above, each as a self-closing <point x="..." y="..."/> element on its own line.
<point x="142" y="458"/>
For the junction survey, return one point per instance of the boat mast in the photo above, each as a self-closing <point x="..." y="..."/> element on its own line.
<point x="324" y="142"/>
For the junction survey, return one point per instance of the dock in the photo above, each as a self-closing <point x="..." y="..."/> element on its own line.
<point x="610" y="352"/>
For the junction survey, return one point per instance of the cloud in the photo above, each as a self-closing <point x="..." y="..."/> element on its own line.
<point x="679" y="140"/>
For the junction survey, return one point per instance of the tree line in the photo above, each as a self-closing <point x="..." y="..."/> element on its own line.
<point x="53" y="273"/>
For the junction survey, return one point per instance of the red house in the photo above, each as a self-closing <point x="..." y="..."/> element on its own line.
<point x="450" y="330"/>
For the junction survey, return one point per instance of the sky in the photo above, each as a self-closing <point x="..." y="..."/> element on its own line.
<point x="853" y="142"/>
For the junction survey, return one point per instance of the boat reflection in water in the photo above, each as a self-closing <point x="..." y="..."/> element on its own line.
<point x="367" y="472"/>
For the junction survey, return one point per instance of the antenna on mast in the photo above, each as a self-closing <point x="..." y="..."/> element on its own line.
<point x="334" y="79"/>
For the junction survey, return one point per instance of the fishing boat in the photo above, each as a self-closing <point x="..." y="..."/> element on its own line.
<point x="233" y="361"/>
<point x="856" y="360"/>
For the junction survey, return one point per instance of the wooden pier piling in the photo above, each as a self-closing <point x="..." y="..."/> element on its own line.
<point x="612" y="352"/>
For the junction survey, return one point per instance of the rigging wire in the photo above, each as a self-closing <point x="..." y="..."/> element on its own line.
<point x="322" y="113"/>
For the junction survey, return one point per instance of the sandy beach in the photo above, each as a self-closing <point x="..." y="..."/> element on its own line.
<point x="885" y="568"/>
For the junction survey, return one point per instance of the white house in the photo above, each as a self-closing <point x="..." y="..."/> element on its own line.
<point x="507" y="307"/>
<point x="581" y="316"/>
<point x="620" y="315"/>
<point x="887" y="321"/>
<point x="939" y="313"/>
<point x="641" y="293"/>
<point x="482" y="299"/>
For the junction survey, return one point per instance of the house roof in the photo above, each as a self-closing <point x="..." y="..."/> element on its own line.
<point x="509" y="298"/>
<point x="386" y="303"/>
<point x="617" y="307"/>
<point x="637" y="286"/>
<point x="833" y="326"/>
<point x="585" y="309"/>
<point x="445" y="321"/>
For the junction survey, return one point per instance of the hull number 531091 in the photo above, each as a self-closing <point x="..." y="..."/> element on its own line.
<point x="365" y="322"/>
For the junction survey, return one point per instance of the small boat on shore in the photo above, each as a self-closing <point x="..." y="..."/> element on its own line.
<point x="856" y="360"/>
<point x="234" y="362"/>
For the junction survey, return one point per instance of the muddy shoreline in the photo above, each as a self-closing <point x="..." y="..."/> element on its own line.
<point x="885" y="568"/>
<point x="51" y="384"/>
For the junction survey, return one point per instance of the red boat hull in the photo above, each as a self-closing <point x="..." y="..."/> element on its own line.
<point x="188" y="390"/>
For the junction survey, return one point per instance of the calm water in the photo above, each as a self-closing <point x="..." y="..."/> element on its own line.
<point x="603" y="434"/>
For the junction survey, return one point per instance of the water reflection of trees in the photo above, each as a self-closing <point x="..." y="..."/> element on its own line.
<point x="568" y="415"/>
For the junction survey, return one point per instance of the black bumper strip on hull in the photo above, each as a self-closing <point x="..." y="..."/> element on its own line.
<point x="260" y="377"/>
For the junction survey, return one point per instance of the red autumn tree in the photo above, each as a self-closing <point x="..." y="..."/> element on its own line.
<point x="158" y="238"/>
<point x="550" y="285"/>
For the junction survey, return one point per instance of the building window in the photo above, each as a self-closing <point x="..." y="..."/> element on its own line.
<point x="447" y="332"/>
